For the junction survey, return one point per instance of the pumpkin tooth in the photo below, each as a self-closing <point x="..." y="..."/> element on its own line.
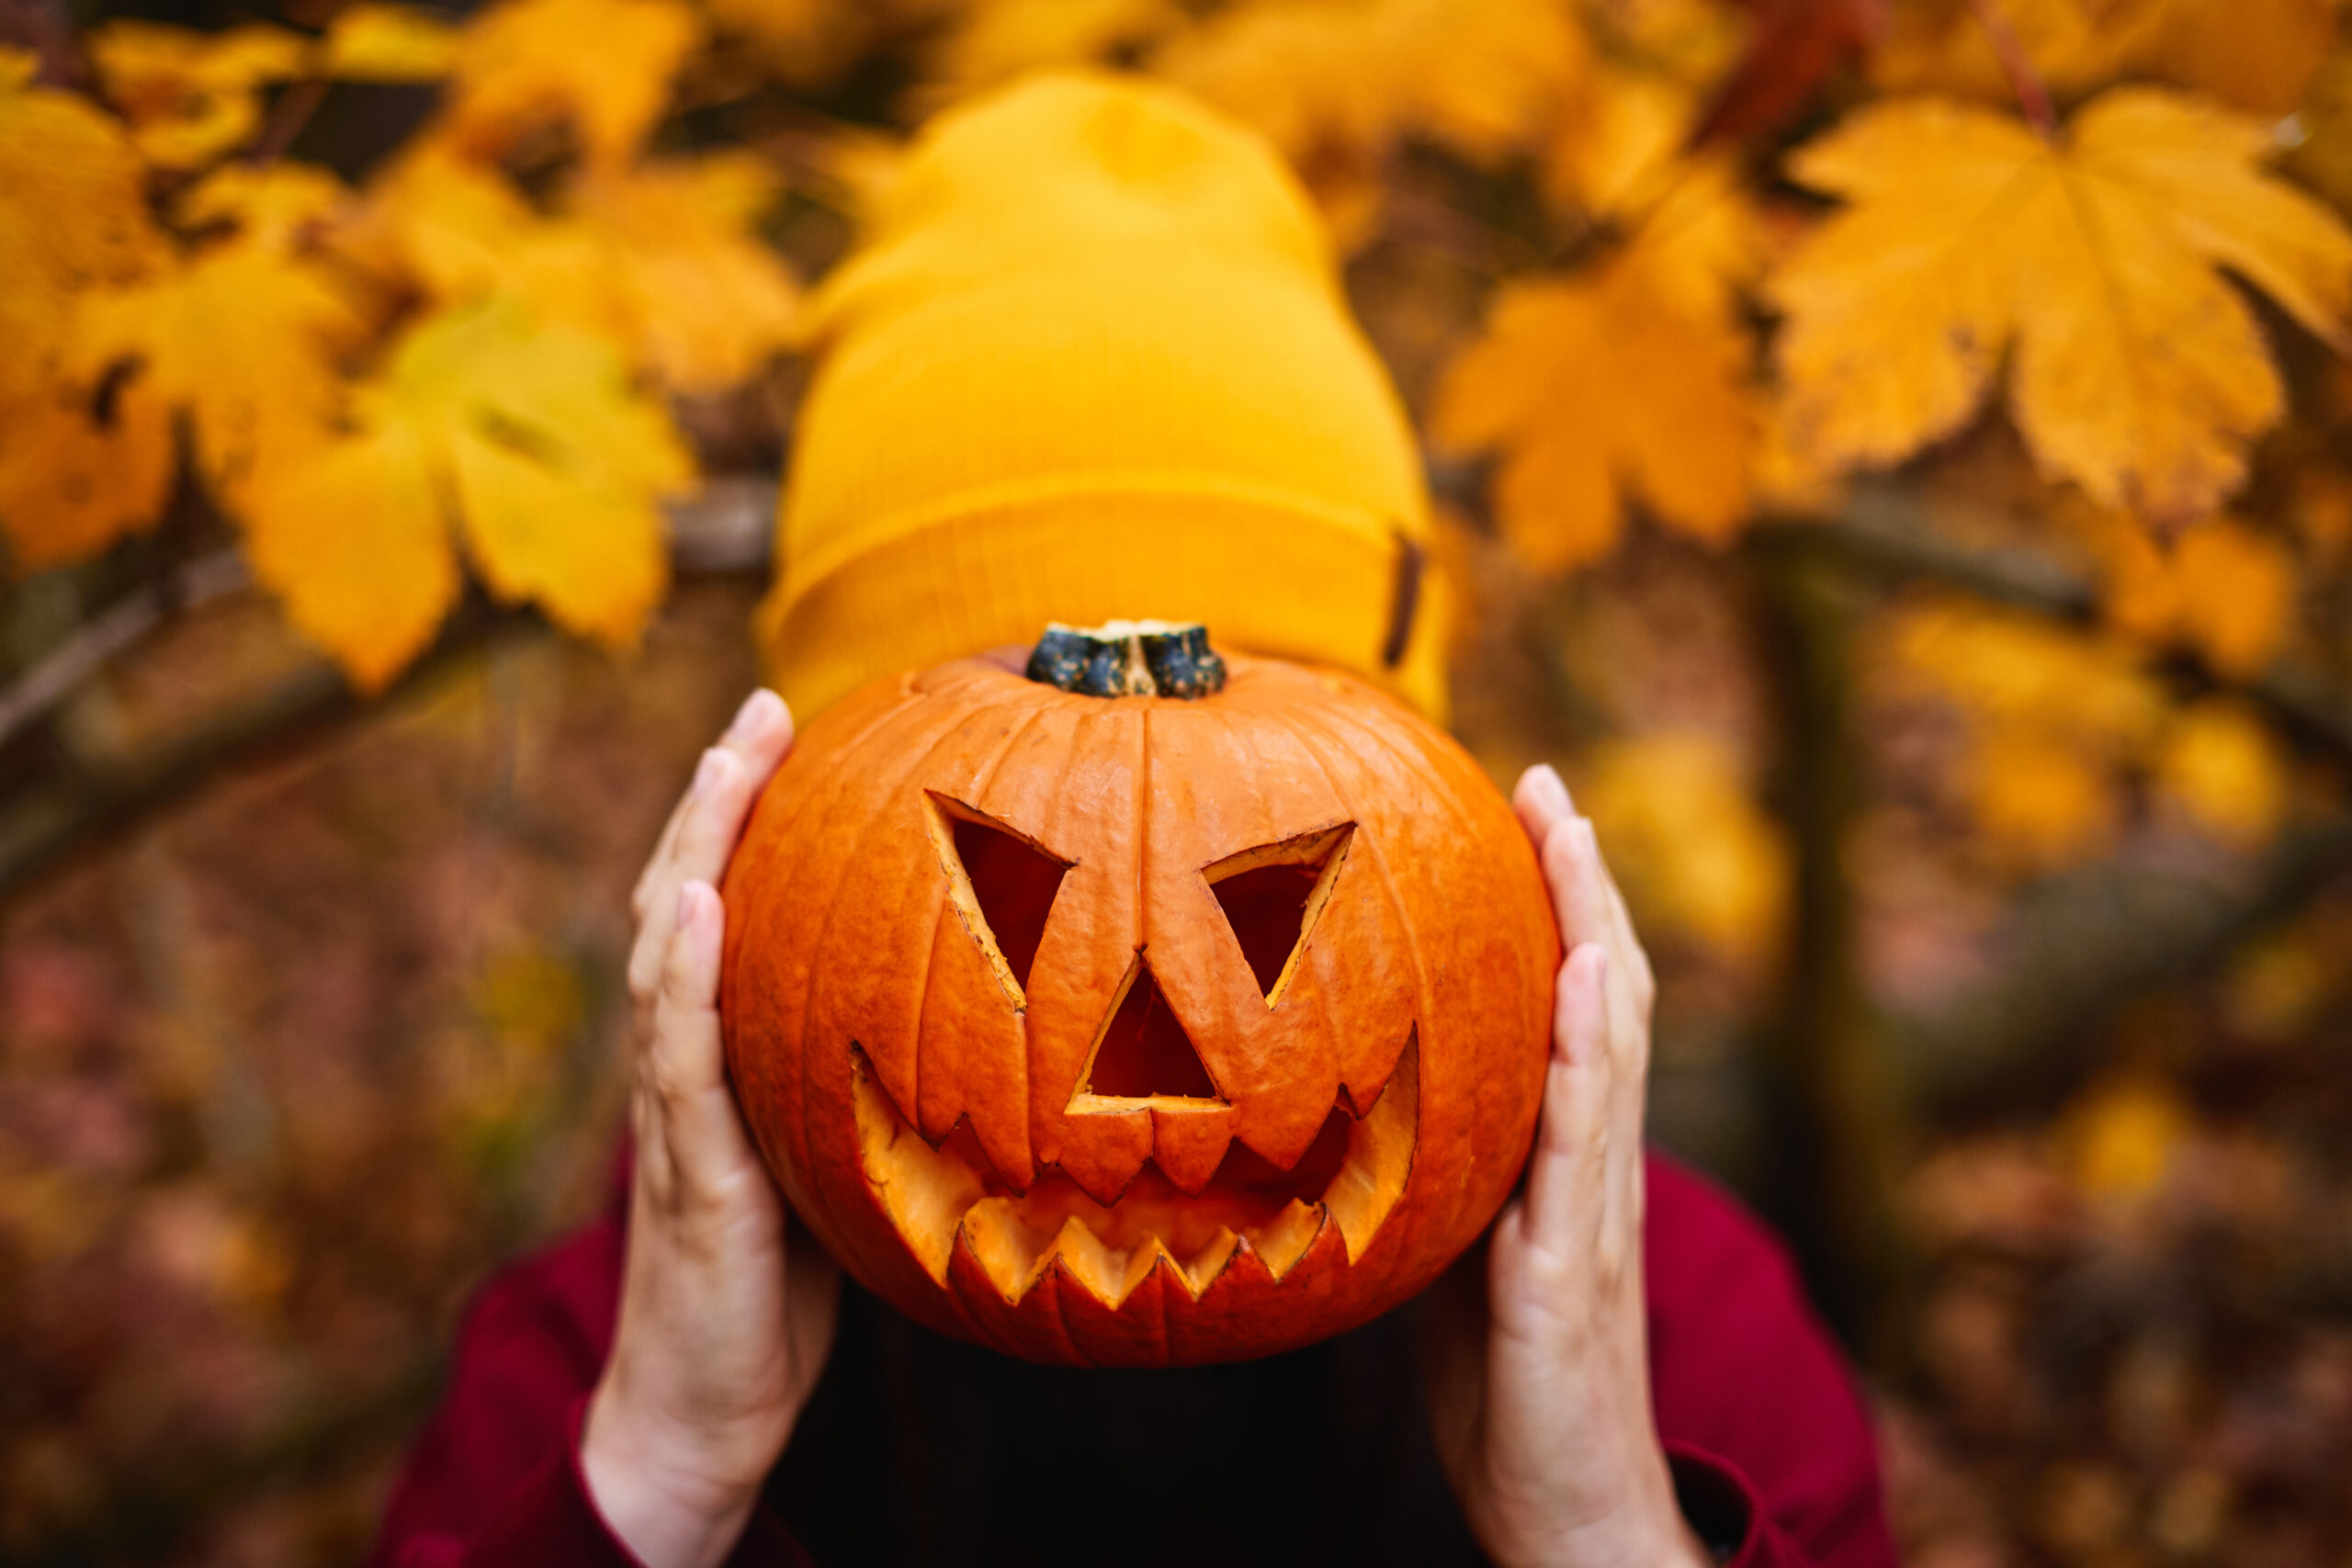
<point x="939" y="1197"/>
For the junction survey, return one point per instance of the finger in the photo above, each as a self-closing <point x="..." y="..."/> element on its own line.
<point x="1633" y="960"/>
<point x="753" y="735"/>
<point x="1541" y="800"/>
<point x="1572" y="871"/>
<point x="1577" y="1095"/>
<point x="686" y="1063"/>
<point x="727" y="781"/>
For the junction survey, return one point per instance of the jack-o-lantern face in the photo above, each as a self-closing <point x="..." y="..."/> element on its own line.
<point x="1137" y="1029"/>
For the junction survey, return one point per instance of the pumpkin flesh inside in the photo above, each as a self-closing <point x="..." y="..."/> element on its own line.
<point x="1350" y="1176"/>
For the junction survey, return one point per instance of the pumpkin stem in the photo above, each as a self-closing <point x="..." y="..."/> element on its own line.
<point x="1128" y="659"/>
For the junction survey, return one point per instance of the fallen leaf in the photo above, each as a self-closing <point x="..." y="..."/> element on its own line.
<point x="190" y="96"/>
<point x="524" y="437"/>
<point x="603" y="67"/>
<point x="2090" y="262"/>
<point x="1629" y="381"/>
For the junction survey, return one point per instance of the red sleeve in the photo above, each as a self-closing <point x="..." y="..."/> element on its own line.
<point x="495" y="1479"/>
<point x="1773" y="1454"/>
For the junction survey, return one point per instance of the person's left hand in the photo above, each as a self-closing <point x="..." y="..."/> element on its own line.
<point x="1539" y="1390"/>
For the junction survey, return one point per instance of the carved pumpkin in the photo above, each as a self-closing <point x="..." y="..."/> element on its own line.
<point x="1136" y="1029"/>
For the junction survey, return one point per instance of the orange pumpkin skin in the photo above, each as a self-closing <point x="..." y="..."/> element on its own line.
<point x="994" y="1123"/>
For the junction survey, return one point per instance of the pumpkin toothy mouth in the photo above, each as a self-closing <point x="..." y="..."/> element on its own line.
<point x="1351" y="1177"/>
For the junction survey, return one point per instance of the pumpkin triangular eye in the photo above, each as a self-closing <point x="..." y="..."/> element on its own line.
<point x="1002" y="884"/>
<point x="1144" y="1052"/>
<point x="1271" y="897"/>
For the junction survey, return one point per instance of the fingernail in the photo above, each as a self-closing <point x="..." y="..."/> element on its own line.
<point x="1551" y="791"/>
<point x="690" y="897"/>
<point x="707" y="771"/>
<point x="760" y="710"/>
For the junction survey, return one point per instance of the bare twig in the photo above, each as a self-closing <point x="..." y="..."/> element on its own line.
<point x="65" y="668"/>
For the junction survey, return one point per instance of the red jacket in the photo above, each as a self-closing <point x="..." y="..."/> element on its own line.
<point x="916" y="1449"/>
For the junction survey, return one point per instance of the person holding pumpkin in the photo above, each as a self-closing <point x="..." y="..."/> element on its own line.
<point x="1110" y="321"/>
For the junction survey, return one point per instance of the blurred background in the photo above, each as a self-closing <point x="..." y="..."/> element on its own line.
<point x="1894" y="455"/>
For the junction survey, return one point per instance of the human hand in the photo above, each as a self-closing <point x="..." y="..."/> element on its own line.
<point x="724" y="1323"/>
<point x="1540" y="1391"/>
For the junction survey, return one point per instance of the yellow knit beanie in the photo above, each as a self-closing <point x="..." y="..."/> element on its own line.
<point x="1092" y="362"/>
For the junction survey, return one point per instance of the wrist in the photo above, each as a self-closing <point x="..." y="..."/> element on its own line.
<point x="671" y="1502"/>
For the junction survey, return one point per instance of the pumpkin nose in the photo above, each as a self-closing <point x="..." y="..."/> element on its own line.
<point x="1144" y="1053"/>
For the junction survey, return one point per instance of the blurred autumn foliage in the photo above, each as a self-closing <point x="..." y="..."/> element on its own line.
<point x="1896" y="453"/>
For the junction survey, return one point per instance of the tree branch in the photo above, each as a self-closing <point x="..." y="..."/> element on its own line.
<point x="1888" y="533"/>
<point x="723" y="531"/>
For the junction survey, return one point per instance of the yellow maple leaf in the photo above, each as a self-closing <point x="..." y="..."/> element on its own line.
<point x="190" y="96"/>
<point x="241" y="337"/>
<point x="603" y="67"/>
<point x="275" y="208"/>
<point x="2091" y="261"/>
<point x="2258" y="55"/>
<point x="1617" y="137"/>
<point x="526" y="439"/>
<point x="660" y="257"/>
<point x="1336" y="84"/>
<point x="995" y="42"/>
<point x="2223" y="765"/>
<point x="802" y="42"/>
<point x="2222" y="587"/>
<point x="1628" y="380"/>
<point x="79" y="466"/>
<point x="373" y="41"/>
<point x="1692" y="847"/>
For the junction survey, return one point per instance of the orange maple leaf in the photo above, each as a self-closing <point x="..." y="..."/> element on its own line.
<point x="602" y="67"/>
<point x="190" y="96"/>
<point x="2257" y="55"/>
<point x="2222" y="587"/>
<point x="1631" y="379"/>
<point x="373" y="41"/>
<point x="80" y="465"/>
<point x="2139" y="373"/>
<point x="524" y="437"/>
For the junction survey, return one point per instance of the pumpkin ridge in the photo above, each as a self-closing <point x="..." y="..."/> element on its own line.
<point x="980" y="787"/>
<point x="1294" y="720"/>
<point x="862" y="832"/>
<point x="908" y="707"/>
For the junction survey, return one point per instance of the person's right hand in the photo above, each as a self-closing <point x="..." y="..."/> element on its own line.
<point x="724" y="1325"/>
